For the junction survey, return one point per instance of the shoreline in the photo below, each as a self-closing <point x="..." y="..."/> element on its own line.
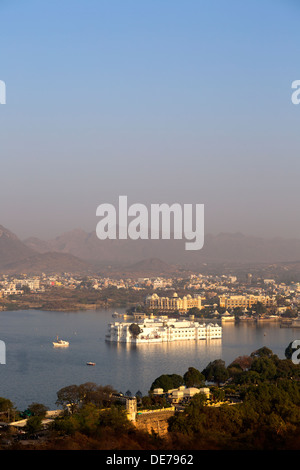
<point x="282" y="323"/>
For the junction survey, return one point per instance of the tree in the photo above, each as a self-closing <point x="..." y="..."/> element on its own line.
<point x="247" y="377"/>
<point x="198" y="401"/>
<point x="234" y="370"/>
<point x="285" y="368"/>
<point x="195" y="311"/>
<point x="6" y="406"/>
<point x="267" y="398"/>
<point x="167" y="382"/>
<point x="179" y="424"/>
<point x="38" y="409"/>
<point x="146" y="402"/>
<point x="238" y="311"/>
<point x="276" y="423"/>
<point x="218" y="394"/>
<point x="69" y="397"/>
<point x="134" y="330"/>
<point x="114" y="418"/>
<point x="88" y="418"/>
<point x="192" y="419"/>
<point x="26" y="289"/>
<point x="193" y="378"/>
<point x="96" y="394"/>
<point x="259" y="308"/>
<point x="262" y="352"/>
<point x="216" y="372"/>
<point x="244" y="362"/>
<point x="265" y="367"/>
<point x="33" y="424"/>
<point x="289" y="313"/>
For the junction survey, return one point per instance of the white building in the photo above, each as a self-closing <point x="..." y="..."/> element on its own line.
<point x="162" y="329"/>
<point x="182" y="393"/>
<point x="33" y="284"/>
<point x="173" y="303"/>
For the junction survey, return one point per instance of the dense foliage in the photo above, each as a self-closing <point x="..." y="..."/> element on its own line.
<point x="254" y="403"/>
<point x="265" y="414"/>
<point x="167" y="382"/>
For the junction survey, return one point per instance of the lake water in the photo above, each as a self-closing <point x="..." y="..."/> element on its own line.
<point x="35" y="370"/>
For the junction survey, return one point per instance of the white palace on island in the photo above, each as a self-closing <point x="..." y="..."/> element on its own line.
<point x="161" y="329"/>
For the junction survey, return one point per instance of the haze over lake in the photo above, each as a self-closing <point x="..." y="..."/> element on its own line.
<point x="35" y="370"/>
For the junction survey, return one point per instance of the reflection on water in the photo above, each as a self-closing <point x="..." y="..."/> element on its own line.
<point x="145" y="362"/>
<point x="35" y="371"/>
<point x="244" y="338"/>
<point x="148" y="350"/>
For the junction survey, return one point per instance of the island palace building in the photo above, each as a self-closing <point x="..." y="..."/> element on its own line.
<point x="162" y="329"/>
<point x="172" y="304"/>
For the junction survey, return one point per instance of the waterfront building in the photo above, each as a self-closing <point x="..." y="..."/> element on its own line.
<point x="244" y="301"/>
<point x="226" y="317"/>
<point x="173" y="303"/>
<point x="162" y="329"/>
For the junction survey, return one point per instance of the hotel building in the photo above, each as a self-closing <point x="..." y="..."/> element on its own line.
<point x="162" y="329"/>
<point x="173" y="303"/>
<point x="244" y="301"/>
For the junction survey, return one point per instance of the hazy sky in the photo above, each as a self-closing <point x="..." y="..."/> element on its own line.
<point x="159" y="100"/>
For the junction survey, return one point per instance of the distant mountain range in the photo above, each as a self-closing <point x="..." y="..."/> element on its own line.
<point x="222" y="248"/>
<point x="78" y="251"/>
<point x="16" y="257"/>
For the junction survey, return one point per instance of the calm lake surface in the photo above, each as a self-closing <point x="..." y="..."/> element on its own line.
<point x="35" y="370"/>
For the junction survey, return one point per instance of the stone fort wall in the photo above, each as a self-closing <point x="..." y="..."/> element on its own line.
<point x="154" y="421"/>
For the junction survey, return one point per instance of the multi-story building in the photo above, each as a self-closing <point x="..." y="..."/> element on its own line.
<point x="244" y="301"/>
<point x="33" y="284"/>
<point x="173" y="303"/>
<point x="162" y="329"/>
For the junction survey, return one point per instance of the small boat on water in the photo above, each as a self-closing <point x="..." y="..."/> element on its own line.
<point x="91" y="363"/>
<point x="60" y="343"/>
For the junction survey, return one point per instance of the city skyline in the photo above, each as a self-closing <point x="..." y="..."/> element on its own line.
<point x="163" y="101"/>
